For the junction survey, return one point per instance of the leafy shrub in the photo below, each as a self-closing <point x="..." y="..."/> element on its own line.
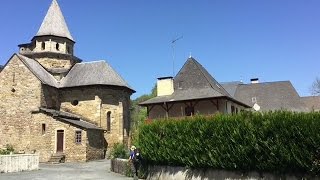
<point x="274" y="141"/>
<point x="8" y="149"/>
<point x="119" y="151"/>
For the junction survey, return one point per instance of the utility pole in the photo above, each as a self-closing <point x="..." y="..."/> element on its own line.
<point x="173" y="43"/>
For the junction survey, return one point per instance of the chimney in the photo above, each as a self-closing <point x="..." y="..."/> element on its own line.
<point x="165" y="86"/>
<point x="254" y="80"/>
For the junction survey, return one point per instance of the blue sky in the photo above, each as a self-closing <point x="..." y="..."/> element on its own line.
<point x="234" y="40"/>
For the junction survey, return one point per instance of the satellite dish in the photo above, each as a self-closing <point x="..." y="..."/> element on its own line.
<point x="256" y="107"/>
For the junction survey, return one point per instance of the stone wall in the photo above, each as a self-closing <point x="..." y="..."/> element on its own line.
<point x="96" y="104"/>
<point x="19" y="95"/>
<point x="45" y="143"/>
<point x="96" y="145"/>
<point x="181" y="173"/>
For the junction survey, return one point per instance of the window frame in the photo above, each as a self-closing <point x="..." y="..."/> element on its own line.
<point x="78" y="136"/>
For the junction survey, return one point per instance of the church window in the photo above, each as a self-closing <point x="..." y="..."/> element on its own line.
<point x="43" y="45"/>
<point x="43" y="129"/>
<point x="78" y="137"/>
<point x="75" y="102"/>
<point x="58" y="47"/>
<point x="68" y="50"/>
<point x="109" y="121"/>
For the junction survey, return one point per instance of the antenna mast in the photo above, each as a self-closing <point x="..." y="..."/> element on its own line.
<point x="173" y="43"/>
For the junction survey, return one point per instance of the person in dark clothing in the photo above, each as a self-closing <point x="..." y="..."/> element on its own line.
<point x="134" y="161"/>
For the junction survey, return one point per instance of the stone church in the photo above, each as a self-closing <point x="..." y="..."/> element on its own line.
<point x="56" y="105"/>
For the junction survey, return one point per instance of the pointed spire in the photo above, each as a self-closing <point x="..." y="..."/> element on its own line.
<point x="54" y="23"/>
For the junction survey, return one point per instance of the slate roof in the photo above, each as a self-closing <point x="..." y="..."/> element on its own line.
<point x="97" y="73"/>
<point x="54" y="23"/>
<point x="81" y="74"/>
<point x="38" y="71"/>
<point x="193" y="82"/>
<point x="270" y="96"/>
<point x="70" y="119"/>
<point x="312" y="102"/>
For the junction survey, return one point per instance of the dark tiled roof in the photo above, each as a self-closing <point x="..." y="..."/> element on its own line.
<point x="81" y="74"/>
<point x="1" y="67"/>
<point x="70" y="119"/>
<point x="54" y="23"/>
<point x="93" y="73"/>
<point x="312" y="102"/>
<point x="231" y="87"/>
<point x="38" y="71"/>
<point x="193" y="82"/>
<point x="270" y="96"/>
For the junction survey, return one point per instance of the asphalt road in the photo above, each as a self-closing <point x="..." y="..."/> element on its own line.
<point x="68" y="171"/>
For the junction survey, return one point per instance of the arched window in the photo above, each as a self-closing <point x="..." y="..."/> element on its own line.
<point x="57" y="47"/>
<point x="109" y="121"/>
<point x="43" y="45"/>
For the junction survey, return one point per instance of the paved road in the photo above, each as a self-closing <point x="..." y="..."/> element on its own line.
<point x="96" y="170"/>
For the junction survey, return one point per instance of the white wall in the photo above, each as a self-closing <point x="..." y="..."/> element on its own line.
<point x="18" y="163"/>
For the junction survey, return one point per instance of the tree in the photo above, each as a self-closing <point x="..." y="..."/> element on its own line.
<point x="138" y="113"/>
<point x="315" y="88"/>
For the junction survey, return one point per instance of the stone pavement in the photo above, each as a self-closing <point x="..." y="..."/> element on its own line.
<point x="96" y="170"/>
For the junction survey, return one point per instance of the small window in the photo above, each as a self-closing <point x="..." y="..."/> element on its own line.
<point x="68" y="50"/>
<point x="75" y="102"/>
<point x="58" y="47"/>
<point x="78" y="137"/>
<point x="43" y="129"/>
<point x="43" y="46"/>
<point x="109" y="121"/>
<point x="189" y="111"/>
<point x="254" y="100"/>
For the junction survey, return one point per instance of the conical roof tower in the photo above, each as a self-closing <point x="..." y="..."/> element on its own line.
<point x="54" y="23"/>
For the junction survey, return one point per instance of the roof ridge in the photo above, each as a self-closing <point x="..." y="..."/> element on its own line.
<point x="95" y="61"/>
<point x="201" y="68"/>
<point x="21" y="57"/>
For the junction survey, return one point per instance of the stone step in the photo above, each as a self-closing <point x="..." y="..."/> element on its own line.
<point x="57" y="158"/>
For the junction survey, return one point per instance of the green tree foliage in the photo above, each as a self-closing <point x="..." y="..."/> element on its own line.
<point x="119" y="151"/>
<point x="274" y="141"/>
<point x="138" y="113"/>
<point x="9" y="149"/>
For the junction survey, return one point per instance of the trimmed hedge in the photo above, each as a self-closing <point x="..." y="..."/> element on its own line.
<point x="274" y="141"/>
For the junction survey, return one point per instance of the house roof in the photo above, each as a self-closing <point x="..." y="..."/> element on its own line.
<point x="54" y="23"/>
<point x="312" y="102"/>
<point x="38" y="71"/>
<point x="81" y="74"/>
<point x="93" y="73"/>
<point x="270" y="96"/>
<point x="1" y="67"/>
<point x="193" y="82"/>
<point x="70" y="119"/>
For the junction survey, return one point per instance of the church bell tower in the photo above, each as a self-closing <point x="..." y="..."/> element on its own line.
<point x="53" y="45"/>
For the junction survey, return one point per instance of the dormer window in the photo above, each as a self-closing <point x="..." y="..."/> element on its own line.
<point x="58" y="47"/>
<point x="43" y="45"/>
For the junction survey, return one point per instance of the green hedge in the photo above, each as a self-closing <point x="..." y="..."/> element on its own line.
<point x="274" y="141"/>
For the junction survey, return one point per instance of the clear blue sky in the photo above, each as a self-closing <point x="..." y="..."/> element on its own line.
<point x="273" y="40"/>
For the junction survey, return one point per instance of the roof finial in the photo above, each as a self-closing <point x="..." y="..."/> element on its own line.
<point x="190" y="56"/>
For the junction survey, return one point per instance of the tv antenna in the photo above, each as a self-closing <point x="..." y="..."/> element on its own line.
<point x="173" y="43"/>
